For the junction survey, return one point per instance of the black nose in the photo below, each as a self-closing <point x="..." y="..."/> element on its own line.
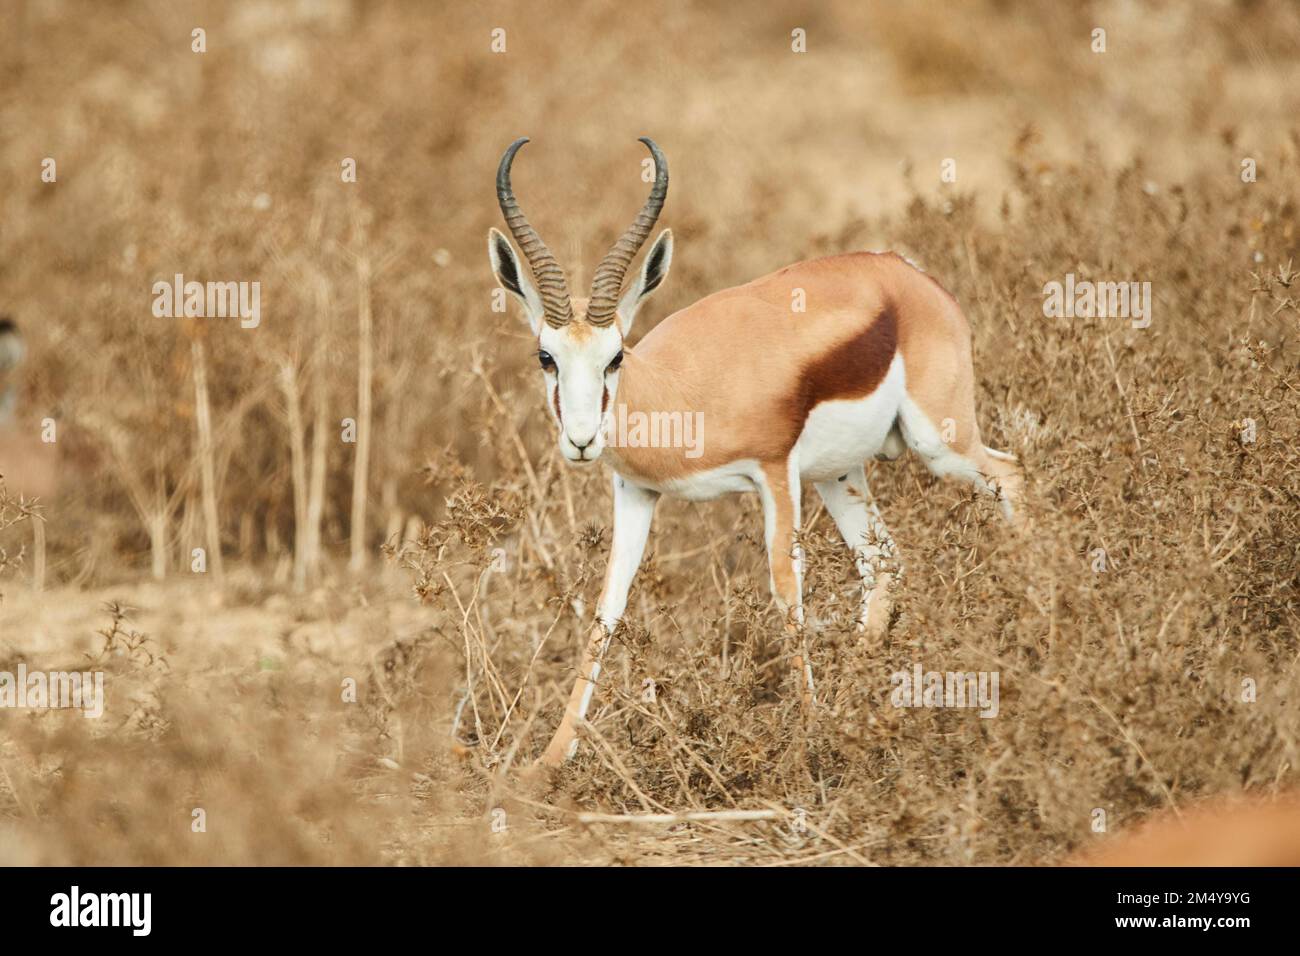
<point x="583" y="446"/>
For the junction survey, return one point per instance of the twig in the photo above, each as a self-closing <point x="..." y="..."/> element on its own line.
<point x="657" y="819"/>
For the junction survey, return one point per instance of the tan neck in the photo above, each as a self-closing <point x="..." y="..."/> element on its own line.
<point x="648" y="386"/>
<point x="653" y="391"/>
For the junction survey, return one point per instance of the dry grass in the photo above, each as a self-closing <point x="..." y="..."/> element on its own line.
<point x="1120" y="690"/>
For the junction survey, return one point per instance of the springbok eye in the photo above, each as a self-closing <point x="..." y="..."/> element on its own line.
<point x="548" y="363"/>
<point x="614" y="363"/>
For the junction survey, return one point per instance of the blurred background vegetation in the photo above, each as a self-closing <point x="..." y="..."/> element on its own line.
<point x="225" y="165"/>
<point x="1121" y="690"/>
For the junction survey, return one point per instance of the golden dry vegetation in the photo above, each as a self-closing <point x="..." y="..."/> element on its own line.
<point x="1121" y="689"/>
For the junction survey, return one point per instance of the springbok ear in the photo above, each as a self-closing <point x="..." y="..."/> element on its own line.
<point x="513" y="278"/>
<point x="653" y="272"/>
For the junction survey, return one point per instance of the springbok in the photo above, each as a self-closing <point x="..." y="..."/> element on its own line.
<point x="29" y="466"/>
<point x="801" y="375"/>
<point x="1241" y="830"/>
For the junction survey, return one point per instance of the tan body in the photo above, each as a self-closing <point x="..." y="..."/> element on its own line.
<point x="861" y="309"/>
<point x="1224" y="832"/>
<point x="800" y="376"/>
<point x="29" y="466"/>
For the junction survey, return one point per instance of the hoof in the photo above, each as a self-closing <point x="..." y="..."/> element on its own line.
<point x="880" y="605"/>
<point x="556" y="754"/>
<point x="534" y="777"/>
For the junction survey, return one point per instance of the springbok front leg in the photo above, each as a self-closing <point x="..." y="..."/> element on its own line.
<point x="634" y="508"/>
<point x="855" y="513"/>
<point x="779" y="488"/>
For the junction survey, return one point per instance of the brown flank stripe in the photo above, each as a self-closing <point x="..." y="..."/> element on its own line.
<point x="853" y="369"/>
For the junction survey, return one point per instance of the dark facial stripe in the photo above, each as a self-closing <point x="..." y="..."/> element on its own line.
<point x="555" y="401"/>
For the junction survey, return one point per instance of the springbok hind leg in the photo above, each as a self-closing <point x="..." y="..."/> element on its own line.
<point x="849" y="502"/>
<point x="951" y="447"/>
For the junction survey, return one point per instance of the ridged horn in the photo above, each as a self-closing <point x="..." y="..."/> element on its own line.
<point x="551" y="284"/>
<point x="608" y="282"/>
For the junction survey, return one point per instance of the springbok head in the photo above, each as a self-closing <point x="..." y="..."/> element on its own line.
<point x="12" y="352"/>
<point x="580" y="341"/>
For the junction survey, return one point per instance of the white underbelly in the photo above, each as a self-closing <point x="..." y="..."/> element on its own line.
<point x="735" y="476"/>
<point x="841" y="434"/>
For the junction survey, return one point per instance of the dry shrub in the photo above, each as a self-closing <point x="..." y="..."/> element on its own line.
<point x="1158" y="575"/>
<point x="1120" y="689"/>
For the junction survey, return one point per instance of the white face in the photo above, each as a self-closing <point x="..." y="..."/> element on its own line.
<point x="580" y="364"/>
<point x="580" y="361"/>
